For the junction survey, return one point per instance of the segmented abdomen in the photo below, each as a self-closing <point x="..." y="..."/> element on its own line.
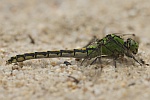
<point x="76" y="53"/>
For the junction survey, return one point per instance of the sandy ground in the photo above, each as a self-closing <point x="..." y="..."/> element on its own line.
<point x="68" y="24"/>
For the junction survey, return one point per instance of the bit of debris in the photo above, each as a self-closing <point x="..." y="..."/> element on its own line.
<point x="75" y="80"/>
<point x="32" y="40"/>
<point x="67" y="63"/>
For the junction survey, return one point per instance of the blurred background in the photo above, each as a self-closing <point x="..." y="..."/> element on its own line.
<point x="41" y="25"/>
<point x="71" y="19"/>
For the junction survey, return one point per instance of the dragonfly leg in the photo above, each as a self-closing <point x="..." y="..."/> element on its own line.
<point x="136" y="60"/>
<point x="115" y="64"/>
<point x="114" y="61"/>
<point x="98" y="69"/>
<point x="93" y="61"/>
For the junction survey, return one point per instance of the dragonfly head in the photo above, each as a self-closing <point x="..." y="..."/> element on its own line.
<point x="131" y="45"/>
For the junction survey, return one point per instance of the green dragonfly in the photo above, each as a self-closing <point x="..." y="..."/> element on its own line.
<point x="111" y="46"/>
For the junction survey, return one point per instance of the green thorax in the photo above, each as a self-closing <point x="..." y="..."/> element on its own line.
<point x="111" y="45"/>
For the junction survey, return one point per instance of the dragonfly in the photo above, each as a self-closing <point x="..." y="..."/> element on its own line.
<point x="111" y="46"/>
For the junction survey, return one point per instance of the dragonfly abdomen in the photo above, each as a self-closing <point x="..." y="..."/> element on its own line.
<point x="76" y="53"/>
